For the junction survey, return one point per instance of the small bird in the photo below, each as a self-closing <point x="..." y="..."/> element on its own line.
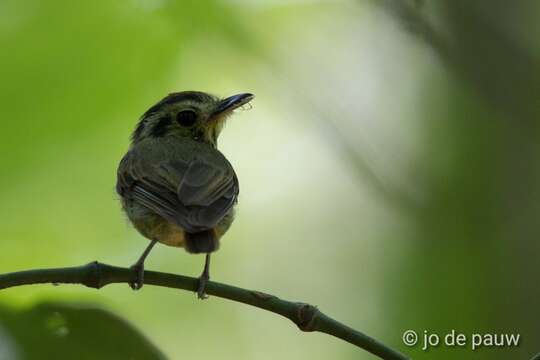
<point x="175" y="186"/>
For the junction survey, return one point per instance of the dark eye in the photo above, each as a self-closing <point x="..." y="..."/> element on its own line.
<point x="186" y="118"/>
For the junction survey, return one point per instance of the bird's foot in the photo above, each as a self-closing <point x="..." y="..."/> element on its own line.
<point x="203" y="280"/>
<point x="138" y="282"/>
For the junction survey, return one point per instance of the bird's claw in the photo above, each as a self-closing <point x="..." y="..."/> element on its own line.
<point x="138" y="283"/>
<point x="201" y="294"/>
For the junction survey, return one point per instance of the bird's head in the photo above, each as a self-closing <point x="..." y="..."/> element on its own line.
<point x="197" y="115"/>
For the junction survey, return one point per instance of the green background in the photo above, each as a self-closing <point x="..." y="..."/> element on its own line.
<point x="389" y="172"/>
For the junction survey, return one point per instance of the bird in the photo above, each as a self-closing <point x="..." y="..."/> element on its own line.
<point x="175" y="186"/>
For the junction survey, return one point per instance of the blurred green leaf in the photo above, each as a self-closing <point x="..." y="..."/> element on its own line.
<point x="61" y="331"/>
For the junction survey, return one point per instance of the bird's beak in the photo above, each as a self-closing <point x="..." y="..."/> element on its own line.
<point x="233" y="102"/>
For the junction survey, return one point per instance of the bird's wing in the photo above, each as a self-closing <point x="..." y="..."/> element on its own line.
<point x="194" y="194"/>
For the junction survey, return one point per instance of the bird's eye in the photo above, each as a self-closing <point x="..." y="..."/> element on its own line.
<point x="186" y="118"/>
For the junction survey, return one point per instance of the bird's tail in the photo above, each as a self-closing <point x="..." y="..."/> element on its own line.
<point x="202" y="242"/>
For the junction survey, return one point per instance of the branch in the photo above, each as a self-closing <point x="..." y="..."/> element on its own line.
<point x="306" y="317"/>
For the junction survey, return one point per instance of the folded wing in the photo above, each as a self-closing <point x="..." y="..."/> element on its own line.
<point x="194" y="194"/>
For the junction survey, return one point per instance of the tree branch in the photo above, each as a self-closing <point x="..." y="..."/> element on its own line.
<point x="307" y="317"/>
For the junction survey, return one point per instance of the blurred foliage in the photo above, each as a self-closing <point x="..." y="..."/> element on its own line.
<point x="390" y="160"/>
<point x="59" y="331"/>
<point x="478" y="235"/>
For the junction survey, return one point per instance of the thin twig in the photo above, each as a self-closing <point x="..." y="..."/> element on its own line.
<point x="307" y="317"/>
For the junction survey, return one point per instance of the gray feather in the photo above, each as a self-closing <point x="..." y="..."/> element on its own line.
<point x="188" y="183"/>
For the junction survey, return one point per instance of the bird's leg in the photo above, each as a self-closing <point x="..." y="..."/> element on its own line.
<point x="138" y="268"/>
<point x="203" y="279"/>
